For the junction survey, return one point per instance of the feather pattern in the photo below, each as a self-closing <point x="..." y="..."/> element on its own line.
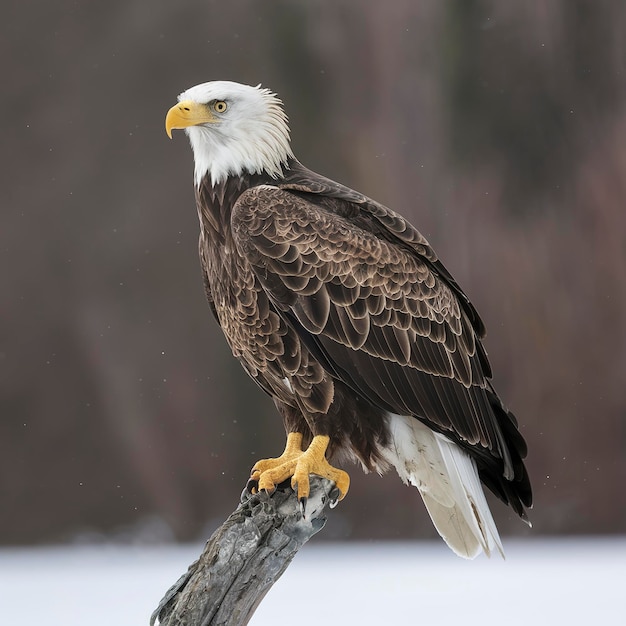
<point x="379" y="306"/>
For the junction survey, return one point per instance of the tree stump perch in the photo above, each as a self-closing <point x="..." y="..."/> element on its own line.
<point x="245" y="557"/>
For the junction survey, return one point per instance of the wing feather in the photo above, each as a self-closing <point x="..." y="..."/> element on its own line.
<point x="313" y="310"/>
<point x="392" y="322"/>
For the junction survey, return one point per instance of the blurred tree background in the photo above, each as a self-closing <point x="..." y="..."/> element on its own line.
<point x="497" y="128"/>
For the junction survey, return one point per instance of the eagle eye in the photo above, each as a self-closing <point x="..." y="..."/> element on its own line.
<point x="219" y="106"/>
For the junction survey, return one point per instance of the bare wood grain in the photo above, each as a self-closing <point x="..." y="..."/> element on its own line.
<point x="245" y="557"/>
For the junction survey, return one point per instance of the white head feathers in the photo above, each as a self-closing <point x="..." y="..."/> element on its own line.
<point x="250" y="135"/>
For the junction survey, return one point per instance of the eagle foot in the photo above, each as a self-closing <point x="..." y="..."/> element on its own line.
<point x="278" y="466"/>
<point x="297" y="464"/>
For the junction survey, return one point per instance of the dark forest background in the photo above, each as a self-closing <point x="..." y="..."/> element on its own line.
<point x="498" y="128"/>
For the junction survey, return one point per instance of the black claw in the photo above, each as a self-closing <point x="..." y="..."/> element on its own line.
<point x="252" y="486"/>
<point x="303" y="502"/>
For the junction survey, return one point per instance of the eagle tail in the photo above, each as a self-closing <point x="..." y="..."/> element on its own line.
<point x="448" y="481"/>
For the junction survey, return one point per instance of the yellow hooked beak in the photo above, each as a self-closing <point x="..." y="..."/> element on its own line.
<point x="187" y="113"/>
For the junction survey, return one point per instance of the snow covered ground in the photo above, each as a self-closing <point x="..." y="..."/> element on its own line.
<point x="542" y="582"/>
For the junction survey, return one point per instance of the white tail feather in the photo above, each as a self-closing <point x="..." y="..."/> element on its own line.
<point x="447" y="479"/>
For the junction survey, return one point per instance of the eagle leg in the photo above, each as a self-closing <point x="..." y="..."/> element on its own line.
<point x="298" y="464"/>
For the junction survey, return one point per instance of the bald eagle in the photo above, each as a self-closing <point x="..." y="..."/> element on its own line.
<point x="341" y="311"/>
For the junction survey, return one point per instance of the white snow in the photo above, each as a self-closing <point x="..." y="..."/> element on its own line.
<point x="542" y="582"/>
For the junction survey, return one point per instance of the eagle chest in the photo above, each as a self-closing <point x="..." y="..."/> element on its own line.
<point x="253" y="330"/>
<point x="269" y="349"/>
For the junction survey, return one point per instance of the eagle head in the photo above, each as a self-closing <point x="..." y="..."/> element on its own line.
<point x="233" y="129"/>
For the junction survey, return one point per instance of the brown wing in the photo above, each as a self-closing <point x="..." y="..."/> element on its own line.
<point x="377" y="219"/>
<point x="377" y="310"/>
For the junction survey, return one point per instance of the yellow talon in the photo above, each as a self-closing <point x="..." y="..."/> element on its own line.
<point x="298" y="464"/>
<point x="265" y="469"/>
<point x="313" y="461"/>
